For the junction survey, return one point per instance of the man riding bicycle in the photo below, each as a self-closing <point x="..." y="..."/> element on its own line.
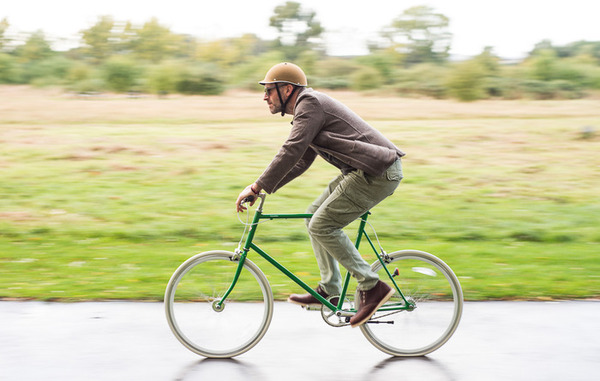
<point x="370" y="168"/>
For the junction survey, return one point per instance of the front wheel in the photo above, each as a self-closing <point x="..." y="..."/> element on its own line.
<point x="436" y="300"/>
<point x="208" y="325"/>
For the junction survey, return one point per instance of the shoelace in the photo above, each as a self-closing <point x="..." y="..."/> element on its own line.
<point x="363" y="298"/>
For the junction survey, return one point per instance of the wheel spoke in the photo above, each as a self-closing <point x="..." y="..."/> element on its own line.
<point x="431" y="285"/>
<point x="205" y="323"/>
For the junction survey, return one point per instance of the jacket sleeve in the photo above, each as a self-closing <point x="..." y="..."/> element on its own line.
<point x="307" y="123"/>
<point x="300" y="167"/>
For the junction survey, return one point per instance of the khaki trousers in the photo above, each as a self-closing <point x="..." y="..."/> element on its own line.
<point x="345" y="199"/>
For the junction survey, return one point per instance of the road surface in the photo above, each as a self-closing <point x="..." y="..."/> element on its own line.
<point x="131" y="341"/>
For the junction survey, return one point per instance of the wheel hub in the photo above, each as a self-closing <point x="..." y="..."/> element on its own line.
<point x="217" y="306"/>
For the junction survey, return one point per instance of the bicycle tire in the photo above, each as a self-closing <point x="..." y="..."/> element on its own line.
<point x="195" y="317"/>
<point x="434" y="288"/>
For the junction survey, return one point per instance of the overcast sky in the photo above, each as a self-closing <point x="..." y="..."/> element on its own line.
<point x="512" y="27"/>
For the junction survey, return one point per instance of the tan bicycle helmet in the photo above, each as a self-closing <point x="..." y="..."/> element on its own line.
<point x="285" y="72"/>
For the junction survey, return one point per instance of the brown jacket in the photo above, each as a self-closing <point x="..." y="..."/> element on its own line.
<point x="324" y="126"/>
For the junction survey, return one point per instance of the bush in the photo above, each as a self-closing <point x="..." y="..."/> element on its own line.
<point x="593" y="77"/>
<point x="8" y="69"/>
<point x="547" y="67"/>
<point x="330" y="83"/>
<point x="494" y="87"/>
<point x="333" y="74"/>
<point x="334" y="68"/>
<point x="366" y="78"/>
<point x="84" y="78"/>
<point x="543" y="65"/>
<point x="585" y="75"/>
<point x="431" y="89"/>
<point x="80" y="72"/>
<point x="466" y="81"/>
<point x="91" y="85"/>
<point x="382" y="62"/>
<point x="163" y="79"/>
<point x="537" y="89"/>
<point x="50" y="71"/>
<point x="544" y="90"/>
<point x="423" y="79"/>
<point x="566" y="89"/>
<point x="200" y="81"/>
<point x="121" y="74"/>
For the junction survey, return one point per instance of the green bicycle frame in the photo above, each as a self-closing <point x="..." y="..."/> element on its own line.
<point x="249" y="244"/>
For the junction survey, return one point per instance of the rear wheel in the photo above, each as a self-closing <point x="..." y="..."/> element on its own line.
<point x="206" y="324"/>
<point x="429" y="284"/>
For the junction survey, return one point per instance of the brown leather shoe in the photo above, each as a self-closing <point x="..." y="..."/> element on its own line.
<point x="309" y="300"/>
<point x="370" y="301"/>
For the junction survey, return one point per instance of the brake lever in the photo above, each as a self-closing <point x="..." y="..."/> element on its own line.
<point x="248" y="199"/>
<point x="253" y="198"/>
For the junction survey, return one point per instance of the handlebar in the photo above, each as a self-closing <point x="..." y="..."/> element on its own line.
<point x="262" y="197"/>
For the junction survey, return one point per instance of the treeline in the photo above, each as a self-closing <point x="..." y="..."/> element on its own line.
<point x="410" y="58"/>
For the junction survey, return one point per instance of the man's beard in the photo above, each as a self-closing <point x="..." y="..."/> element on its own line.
<point x="274" y="108"/>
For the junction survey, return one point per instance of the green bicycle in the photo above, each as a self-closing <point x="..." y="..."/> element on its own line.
<point x="211" y="316"/>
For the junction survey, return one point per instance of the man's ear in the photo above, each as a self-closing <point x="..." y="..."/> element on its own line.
<point x="288" y="90"/>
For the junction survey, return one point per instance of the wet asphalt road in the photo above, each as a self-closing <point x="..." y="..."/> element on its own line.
<point x="131" y="341"/>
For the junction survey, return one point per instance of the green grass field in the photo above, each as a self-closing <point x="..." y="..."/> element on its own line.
<point x="102" y="198"/>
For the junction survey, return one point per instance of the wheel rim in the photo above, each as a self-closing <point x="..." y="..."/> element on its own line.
<point x="432" y="285"/>
<point x="214" y="329"/>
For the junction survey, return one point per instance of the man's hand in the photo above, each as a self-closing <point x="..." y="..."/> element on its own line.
<point x="251" y="191"/>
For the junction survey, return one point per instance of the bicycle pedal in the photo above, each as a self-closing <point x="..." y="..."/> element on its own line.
<point x="312" y="308"/>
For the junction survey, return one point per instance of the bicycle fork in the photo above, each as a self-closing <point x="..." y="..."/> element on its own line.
<point x="240" y="257"/>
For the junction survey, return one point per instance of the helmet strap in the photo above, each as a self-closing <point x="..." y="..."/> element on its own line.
<point x="281" y="100"/>
<point x="284" y="104"/>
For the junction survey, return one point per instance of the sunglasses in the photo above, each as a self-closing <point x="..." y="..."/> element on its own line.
<point x="268" y="90"/>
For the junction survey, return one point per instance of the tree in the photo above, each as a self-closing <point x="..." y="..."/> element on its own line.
<point x="420" y="35"/>
<point x="247" y="74"/>
<point x="36" y="48"/>
<point x="99" y="39"/>
<point x="154" y="42"/>
<point x="543" y="65"/>
<point x="219" y="52"/>
<point x="489" y="61"/>
<point x="573" y="49"/>
<point x="298" y="29"/>
<point x="126" y="38"/>
<point x="229" y="52"/>
<point x="3" y="39"/>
